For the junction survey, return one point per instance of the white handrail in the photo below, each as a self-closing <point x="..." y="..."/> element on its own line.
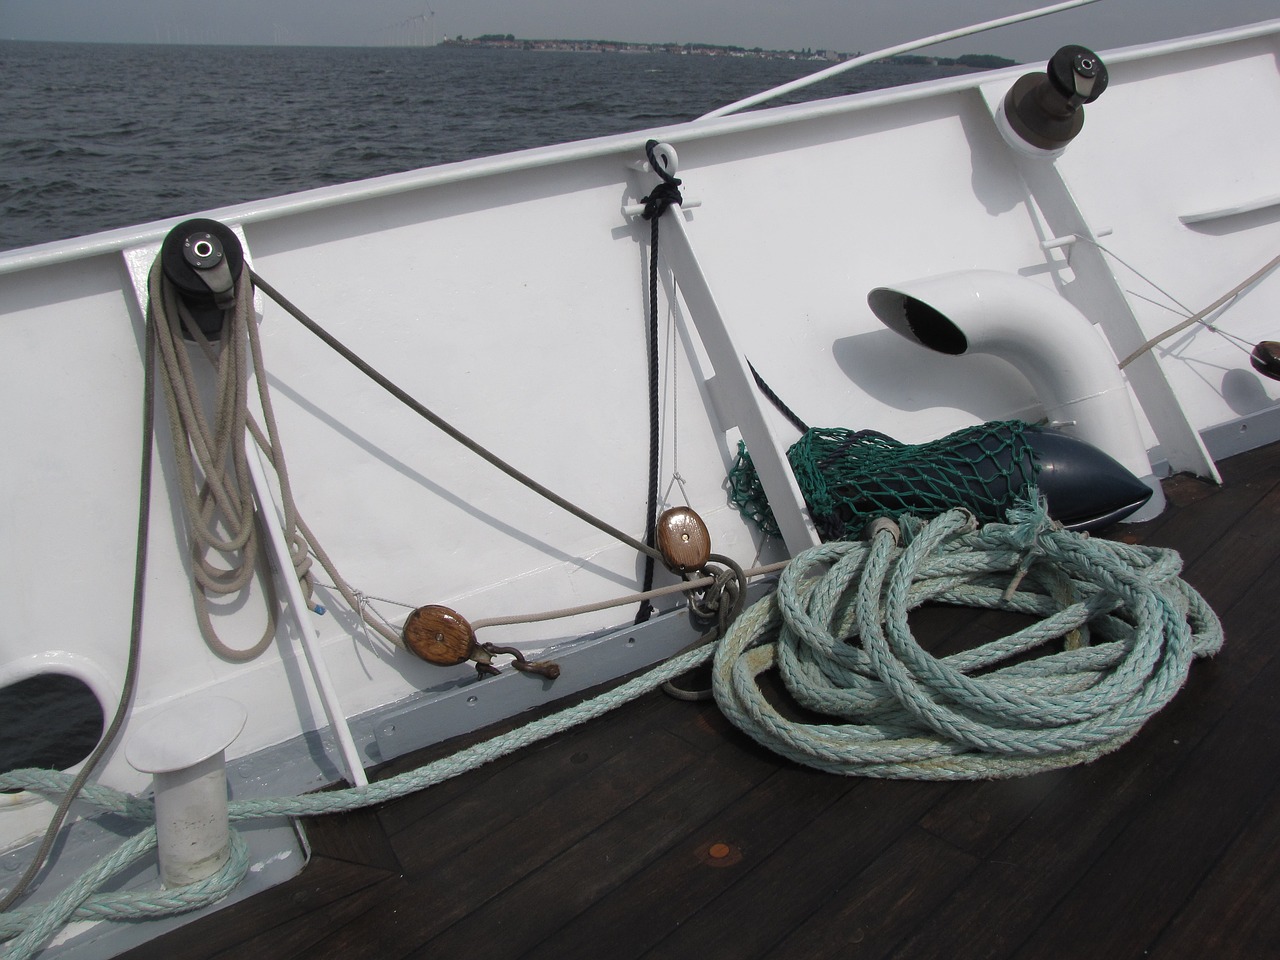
<point x="755" y="98"/>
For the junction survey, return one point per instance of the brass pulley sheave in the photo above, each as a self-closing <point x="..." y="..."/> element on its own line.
<point x="684" y="540"/>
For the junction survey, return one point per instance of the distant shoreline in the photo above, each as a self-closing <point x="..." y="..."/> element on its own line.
<point x="510" y="42"/>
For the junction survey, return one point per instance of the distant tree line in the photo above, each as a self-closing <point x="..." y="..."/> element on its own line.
<point x="975" y="61"/>
<point x="978" y="61"/>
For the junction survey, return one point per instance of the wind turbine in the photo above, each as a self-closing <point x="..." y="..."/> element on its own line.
<point x="427" y="17"/>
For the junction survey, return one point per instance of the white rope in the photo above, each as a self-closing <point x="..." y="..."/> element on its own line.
<point x="1199" y="316"/>
<point x="813" y="78"/>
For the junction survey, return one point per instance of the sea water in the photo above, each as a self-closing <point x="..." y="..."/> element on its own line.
<point x="97" y="136"/>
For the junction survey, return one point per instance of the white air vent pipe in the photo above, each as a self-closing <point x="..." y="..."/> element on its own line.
<point x="1047" y="339"/>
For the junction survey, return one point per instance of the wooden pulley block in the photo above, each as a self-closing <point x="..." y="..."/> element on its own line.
<point x="683" y="539"/>
<point x="440" y="636"/>
<point x="1266" y="359"/>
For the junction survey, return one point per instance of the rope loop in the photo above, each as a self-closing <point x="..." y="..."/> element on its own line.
<point x="1114" y="634"/>
<point x="31" y="927"/>
<point x="665" y="193"/>
<point x="719" y="604"/>
<point x="655" y="205"/>
<point x="659" y="199"/>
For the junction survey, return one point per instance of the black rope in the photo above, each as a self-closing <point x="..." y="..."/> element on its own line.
<point x="656" y="203"/>
<point x="443" y="425"/>
<point x="781" y="407"/>
<point x="661" y="196"/>
<point x="719" y="606"/>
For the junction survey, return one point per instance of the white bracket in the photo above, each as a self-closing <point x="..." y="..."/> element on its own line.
<point x="666" y="155"/>
<point x="1107" y="305"/>
<point x="1057" y="243"/>
<point x="1231" y="210"/>
<point x="635" y="209"/>
<point x="734" y="390"/>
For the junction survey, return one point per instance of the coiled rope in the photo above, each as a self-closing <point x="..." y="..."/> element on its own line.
<point x="1116" y="634"/>
<point x="82" y="900"/>
<point x="212" y="459"/>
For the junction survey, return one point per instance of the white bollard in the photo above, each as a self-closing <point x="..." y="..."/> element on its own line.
<point x="183" y="748"/>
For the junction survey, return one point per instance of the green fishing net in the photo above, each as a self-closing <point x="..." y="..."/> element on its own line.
<point x="848" y="477"/>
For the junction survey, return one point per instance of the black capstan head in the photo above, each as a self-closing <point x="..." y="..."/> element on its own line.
<point x="1046" y="110"/>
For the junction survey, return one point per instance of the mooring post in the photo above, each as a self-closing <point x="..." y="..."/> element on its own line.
<point x="184" y="749"/>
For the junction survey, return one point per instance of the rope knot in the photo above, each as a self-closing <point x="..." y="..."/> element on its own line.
<point x="660" y="198"/>
<point x="1029" y="521"/>
<point x="665" y="193"/>
<point x="721" y="602"/>
<point x="1030" y="518"/>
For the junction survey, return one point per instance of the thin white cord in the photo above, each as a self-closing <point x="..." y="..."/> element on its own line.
<point x="812" y="78"/>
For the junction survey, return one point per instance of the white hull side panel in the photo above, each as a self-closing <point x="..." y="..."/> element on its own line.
<point x="1178" y="160"/>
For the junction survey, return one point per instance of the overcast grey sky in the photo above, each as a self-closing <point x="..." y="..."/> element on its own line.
<point x="845" y="25"/>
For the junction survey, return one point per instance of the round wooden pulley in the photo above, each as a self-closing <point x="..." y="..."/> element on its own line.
<point x="439" y="635"/>
<point x="1266" y="359"/>
<point x="683" y="539"/>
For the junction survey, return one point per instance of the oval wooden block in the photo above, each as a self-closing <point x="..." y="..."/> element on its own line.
<point x="683" y="539"/>
<point x="439" y="635"/>
<point x="1266" y="359"/>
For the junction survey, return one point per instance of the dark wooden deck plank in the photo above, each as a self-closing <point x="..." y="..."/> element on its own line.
<point x="780" y="891"/>
<point x="288" y="918"/>
<point x="1182" y="831"/>
<point x="997" y="910"/>
<point x="552" y="896"/>
<point x="1241" y="550"/>
<point x="448" y="883"/>
<point x="981" y="815"/>
<point x="596" y="843"/>
<point x="1119" y="911"/>
<point x="443" y="826"/>
<point x="303" y="935"/>
<point x="636" y="915"/>
<point x="1233" y="911"/>
<point x="356" y="837"/>
<point x="400" y="819"/>
<point x="974" y="818"/>
<point x="1199" y="510"/>
<point x="882" y="904"/>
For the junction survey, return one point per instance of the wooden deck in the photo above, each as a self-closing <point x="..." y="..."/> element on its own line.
<point x="598" y="843"/>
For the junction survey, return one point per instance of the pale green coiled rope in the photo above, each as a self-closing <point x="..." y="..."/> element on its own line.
<point x="837" y="631"/>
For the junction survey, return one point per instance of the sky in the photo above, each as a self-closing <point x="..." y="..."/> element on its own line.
<point x="842" y="25"/>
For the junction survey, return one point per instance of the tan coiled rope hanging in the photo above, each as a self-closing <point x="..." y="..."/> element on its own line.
<point x="213" y="471"/>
